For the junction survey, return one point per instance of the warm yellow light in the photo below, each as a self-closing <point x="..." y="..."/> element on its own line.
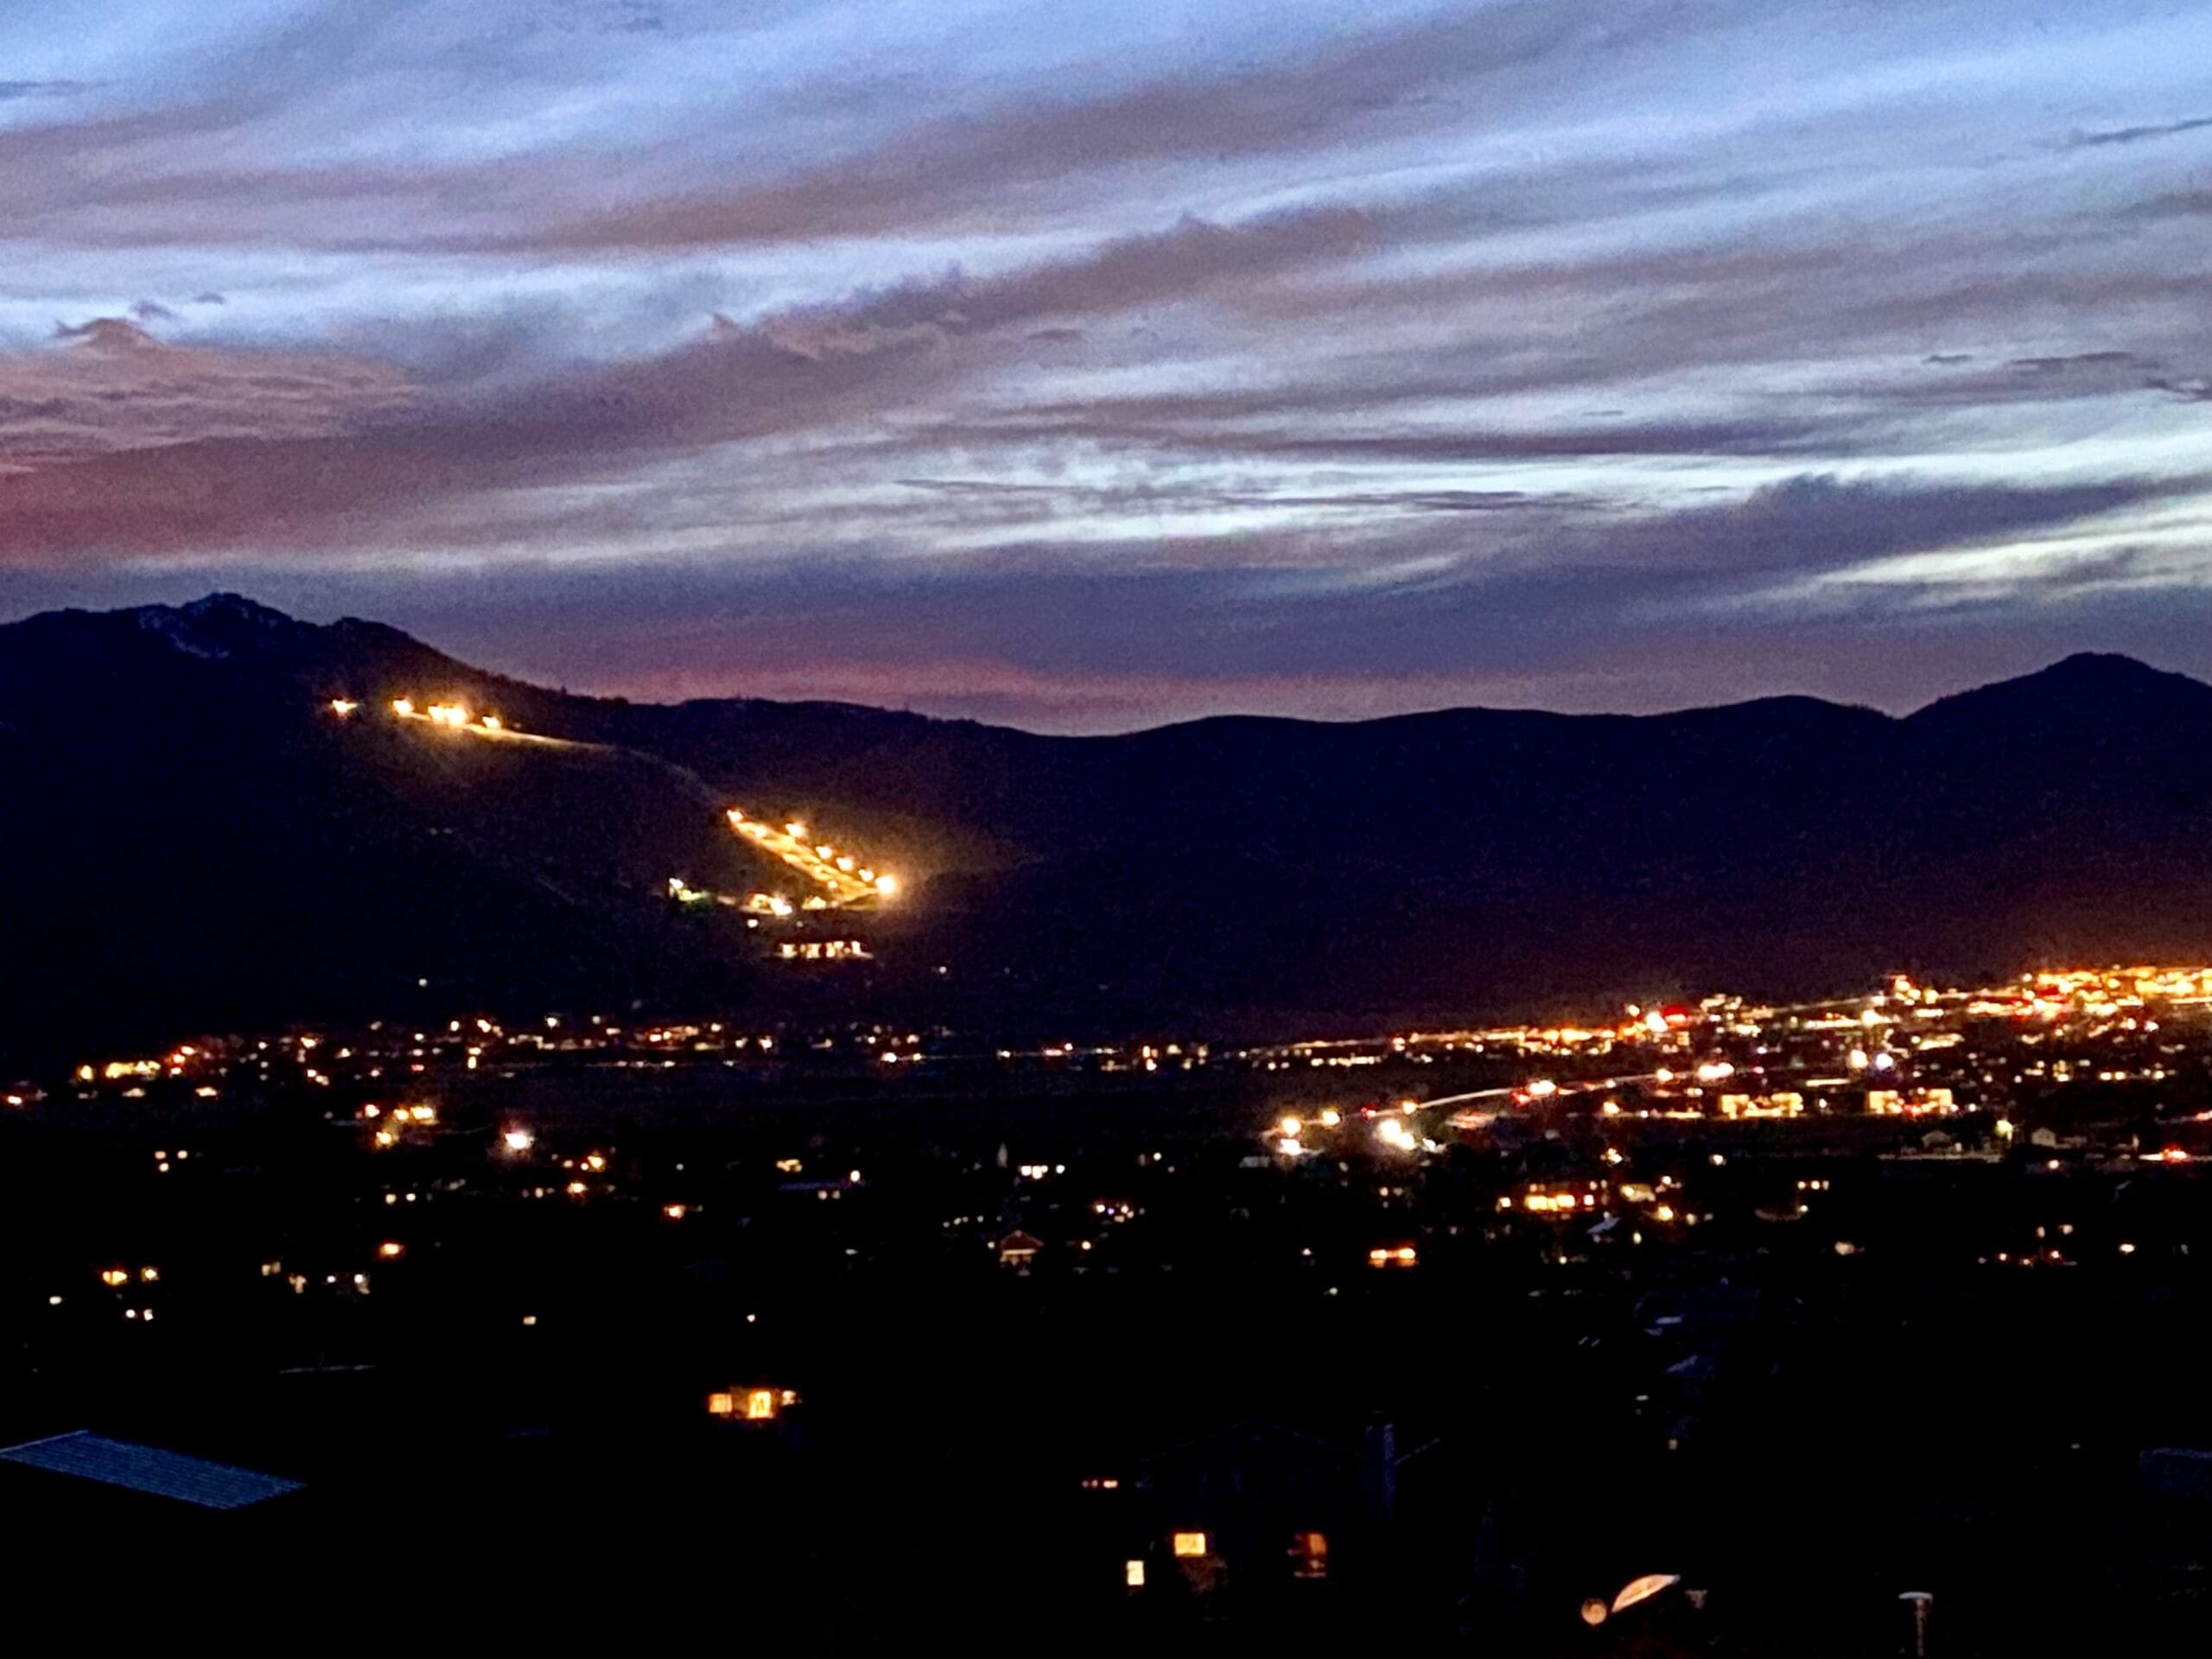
<point x="385" y="1138"/>
<point x="1664" y="1212"/>
<point x="1289" y="1126"/>
<point x="1133" y="1574"/>
<point x="1331" y="1117"/>
<point x="721" y="1403"/>
<point x="673" y="1211"/>
<point x="150" y="1274"/>
<point x="114" y="1276"/>
<point x="796" y="830"/>
<point x="403" y="706"/>
<point x="594" y="1163"/>
<point x="391" y="1249"/>
<point x="1188" y="1543"/>
<point x="886" y="884"/>
<point x="341" y="708"/>
<point x="759" y="1405"/>
<point x="1644" y="1589"/>
<point x="576" y="1188"/>
<point x="517" y="1140"/>
<point x="493" y="723"/>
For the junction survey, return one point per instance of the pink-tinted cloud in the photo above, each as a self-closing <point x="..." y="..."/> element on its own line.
<point x="107" y="386"/>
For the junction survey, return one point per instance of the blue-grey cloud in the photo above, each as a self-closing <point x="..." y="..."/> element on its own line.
<point x="1191" y="357"/>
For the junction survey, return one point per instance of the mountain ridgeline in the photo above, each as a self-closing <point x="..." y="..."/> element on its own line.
<point x="194" y="841"/>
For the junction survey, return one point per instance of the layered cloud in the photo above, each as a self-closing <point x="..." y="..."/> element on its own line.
<point x="1199" y="356"/>
<point x="107" y="386"/>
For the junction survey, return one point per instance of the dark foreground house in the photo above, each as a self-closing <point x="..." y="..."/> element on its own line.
<point x="1258" y="1519"/>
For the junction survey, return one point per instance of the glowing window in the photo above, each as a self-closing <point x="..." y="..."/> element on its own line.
<point x="1190" y="1544"/>
<point x="759" y="1405"/>
<point x="722" y="1404"/>
<point x="1133" y="1574"/>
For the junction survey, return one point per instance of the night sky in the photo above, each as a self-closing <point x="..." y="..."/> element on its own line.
<point x="1094" y="365"/>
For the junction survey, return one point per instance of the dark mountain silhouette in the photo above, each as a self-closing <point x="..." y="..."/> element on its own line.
<point x="193" y="839"/>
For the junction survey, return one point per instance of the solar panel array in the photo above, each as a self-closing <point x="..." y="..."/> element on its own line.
<point x="149" y="1469"/>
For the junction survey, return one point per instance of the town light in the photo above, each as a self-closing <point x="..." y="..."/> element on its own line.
<point x="517" y="1140"/>
<point x="1644" y="1589"/>
<point x="1189" y="1544"/>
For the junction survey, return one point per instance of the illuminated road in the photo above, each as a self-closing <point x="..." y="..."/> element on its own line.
<point x="842" y="880"/>
<point x="1478" y="1119"/>
<point x="455" y="718"/>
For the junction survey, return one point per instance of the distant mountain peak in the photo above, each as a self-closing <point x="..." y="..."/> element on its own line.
<point x="2094" y="672"/>
<point x="2090" y="685"/>
<point x="236" y="607"/>
<point x="218" y="625"/>
<point x="2105" y="665"/>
